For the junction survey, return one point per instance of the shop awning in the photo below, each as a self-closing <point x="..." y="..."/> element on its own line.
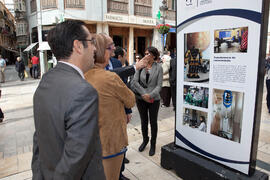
<point x="30" y="47"/>
<point x="44" y="46"/>
<point x="11" y="50"/>
<point x="172" y="30"/>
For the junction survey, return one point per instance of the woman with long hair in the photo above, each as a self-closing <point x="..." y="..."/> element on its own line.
<point x="147" y="83"/>
<point x="113" y="95"/>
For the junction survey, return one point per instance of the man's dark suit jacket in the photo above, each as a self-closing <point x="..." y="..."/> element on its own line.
<point x="66" y="142"/>
<point x="123" y="72"/>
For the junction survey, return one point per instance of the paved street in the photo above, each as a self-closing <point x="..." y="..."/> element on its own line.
<point x="17" y="129"/>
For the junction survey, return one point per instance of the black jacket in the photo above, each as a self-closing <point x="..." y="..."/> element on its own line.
<point x="20" y="67"/>
<point x="172" y="72"/>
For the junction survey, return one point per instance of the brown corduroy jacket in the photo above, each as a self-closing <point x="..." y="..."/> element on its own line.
<point x="114" y="95"/>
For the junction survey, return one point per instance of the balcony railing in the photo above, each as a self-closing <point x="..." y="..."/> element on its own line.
<point x="171" y="15"/>
<point x="48" y="4"/>
<point x="119" y="6"/>
<point x="77" y="4"/>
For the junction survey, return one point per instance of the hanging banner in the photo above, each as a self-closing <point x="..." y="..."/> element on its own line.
<point x="218" y="50"/>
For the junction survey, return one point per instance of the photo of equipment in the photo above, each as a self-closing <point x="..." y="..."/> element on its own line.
<point x="195" y="119"/>
<point x="227" y="114"/>
<point x="196" y="96"/>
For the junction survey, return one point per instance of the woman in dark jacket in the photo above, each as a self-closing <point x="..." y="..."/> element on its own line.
<point x="20" y="67"/>
<point x="147" y="83"/>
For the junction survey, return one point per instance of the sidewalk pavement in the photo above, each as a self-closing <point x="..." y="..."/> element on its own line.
<point x="17" y="129"/>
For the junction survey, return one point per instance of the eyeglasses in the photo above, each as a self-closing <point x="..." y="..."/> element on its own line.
<point x="147" y="54"/>
<point x="93" y="41"/>
<point x="111" y="47"/>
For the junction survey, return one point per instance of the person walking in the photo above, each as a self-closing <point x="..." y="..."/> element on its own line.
<point x="172" y="79"/>
<point x="35" y="62"/>
<point x="113" y="95"/>
<point x="166" y="89"/>
<point x="30" y="66"/>
<point x="2" y="68"/>
<point x="147" y="83"/>
<point x="20" y="67"/>
<point x="66" y="140"/>
<point x="267" y="82"/>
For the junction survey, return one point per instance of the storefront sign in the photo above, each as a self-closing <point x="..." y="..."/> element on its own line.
<point x="219" y="46"/>
<point x="129" y="19"/>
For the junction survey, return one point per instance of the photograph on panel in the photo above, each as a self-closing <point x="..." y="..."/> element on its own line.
<point x="227" y="114"/>
<point x="234" y="40"/>
<point x="197" y="57"/>
<point x="196" y="96"/>
<point x="195" y="119"/>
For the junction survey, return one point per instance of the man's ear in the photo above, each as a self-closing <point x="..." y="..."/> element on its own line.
<point x="77" y="46"/>
<point x="119" y="57"/>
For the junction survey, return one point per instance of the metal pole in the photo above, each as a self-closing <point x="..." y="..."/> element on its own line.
<point x="39" y="27"/>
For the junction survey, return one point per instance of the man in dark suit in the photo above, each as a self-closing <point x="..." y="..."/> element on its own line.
<point x="172" y="79"/>
<point x="66" y="141"/>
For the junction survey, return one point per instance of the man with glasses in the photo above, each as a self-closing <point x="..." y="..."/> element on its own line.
<point x="66" y="141"/>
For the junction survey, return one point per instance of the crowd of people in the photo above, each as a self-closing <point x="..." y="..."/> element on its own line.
<point x="82" y="105"/>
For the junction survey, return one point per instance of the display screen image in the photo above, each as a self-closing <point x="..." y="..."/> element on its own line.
<point x="234" y="40"/>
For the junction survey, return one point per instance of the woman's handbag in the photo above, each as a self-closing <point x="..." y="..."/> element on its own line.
<point x="25" y="74"/>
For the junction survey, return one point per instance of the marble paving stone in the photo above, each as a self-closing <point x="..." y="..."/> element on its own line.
<point x="260" y="144"/>
<point x="129" y="175"/>
<point x="144" y="169"/>
<point x="265" y="157"/>
<point x="8" y="166"/>
<point x="265" y="148"/>
<point x="24" y="161"/>
<point x="264" y="136"/>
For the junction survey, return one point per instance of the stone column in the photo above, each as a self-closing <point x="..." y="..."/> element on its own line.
<point x="99" y="28"/>
<point x="105" y="28"/>
<point x="131" y="45"/>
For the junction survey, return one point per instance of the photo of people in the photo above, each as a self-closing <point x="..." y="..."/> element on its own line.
<point x="195" y="119"/>
<point x="234" y="40"/>
<point x="197" y="57"/>
<point x="196" y="96"/>
<point x="227" y="114"/>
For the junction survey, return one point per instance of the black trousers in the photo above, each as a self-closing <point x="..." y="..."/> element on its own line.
<point x="152" y="108"/>
<point x="166" y="96"/>
<point x="21" y="75"/>
<point x="268" y="94"/>
<point x="173" y="93"/>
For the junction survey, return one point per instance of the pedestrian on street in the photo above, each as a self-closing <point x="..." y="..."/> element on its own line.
<point x="66" y="141"/>
<point x="166" y="88"/>
<point x="147" y="83"/>
<point x="114" y="95"/>
<point x="2" y="68"/>
<point x="267" y="82"/>
<point x="172" y="79"/>
<point x="30" y="65"/>
<point x="35" y="62"/>
<point x="20" y="67"/>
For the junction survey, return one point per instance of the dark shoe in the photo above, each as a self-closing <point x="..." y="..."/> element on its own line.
<point x="152" y="150"/>
<point x="123" y="178"/>
<point x="143" y="145"/>
<point x="126" y="161"/>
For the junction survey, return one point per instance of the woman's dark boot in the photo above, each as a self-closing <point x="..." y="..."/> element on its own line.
<point x="143" y="145"/>
<point x="152" y="150"/>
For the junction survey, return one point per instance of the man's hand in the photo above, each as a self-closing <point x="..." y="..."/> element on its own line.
<point x="142" y="63"/>
<point x="129" y="117"/>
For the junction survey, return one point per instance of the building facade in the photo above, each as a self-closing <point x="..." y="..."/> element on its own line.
<point x="7" y="34"/>
<point x="131" y="23"/>
<point x="21" y="24"/>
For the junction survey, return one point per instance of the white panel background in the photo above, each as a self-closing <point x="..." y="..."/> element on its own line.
<point x="213" y="144"/>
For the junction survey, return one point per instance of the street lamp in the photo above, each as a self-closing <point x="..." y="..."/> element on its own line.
<point x="163" y="9"/>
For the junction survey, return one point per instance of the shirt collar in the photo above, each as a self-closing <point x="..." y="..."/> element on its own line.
<point x="75" y="67"/>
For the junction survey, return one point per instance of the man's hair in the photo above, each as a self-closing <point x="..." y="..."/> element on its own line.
<point x="153" y="51"/>
<point x="101" y="43"/>
<point x="118" y="51"/>
<point x="62" y="36"/>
